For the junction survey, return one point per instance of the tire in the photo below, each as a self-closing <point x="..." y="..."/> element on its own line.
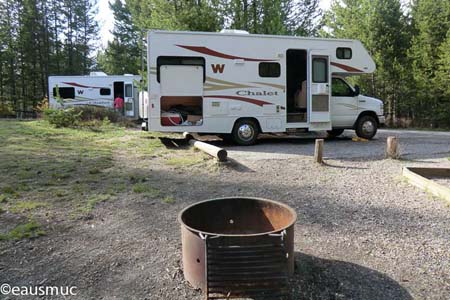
<point x="245" y="132"/>
<point x="366" y="127"/>
<point x="227" y="138"/>
<point x="335" y="132"/>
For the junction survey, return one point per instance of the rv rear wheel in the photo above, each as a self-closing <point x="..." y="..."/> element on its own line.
<point x="366" y="127"/>
<point x="335" y="132"/>
<point x="245" y="132"/>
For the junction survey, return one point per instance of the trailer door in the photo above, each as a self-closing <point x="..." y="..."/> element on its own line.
<point x="129" y="99"/>
<point x="319" y="81"/>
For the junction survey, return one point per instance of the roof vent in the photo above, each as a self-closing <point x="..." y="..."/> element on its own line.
<point x="97" y="73"/>
<point x="234" y="31"/>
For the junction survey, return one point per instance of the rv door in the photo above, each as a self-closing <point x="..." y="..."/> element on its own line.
<point x="129" y="99"/>
<point x="319" y="80"/>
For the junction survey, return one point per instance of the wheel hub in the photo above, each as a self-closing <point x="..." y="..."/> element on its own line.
<point x="368" y="127"/>
<point x="245" y="132"/>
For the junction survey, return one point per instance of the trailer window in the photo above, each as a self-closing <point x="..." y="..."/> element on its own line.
<point x="319" y="70"/>
<point x="105" y="92"/>
<point x="269" y="69"/>
<point x="344" y="53"/>
<point x="65" y="92"/>
<point x="179" y="60"/>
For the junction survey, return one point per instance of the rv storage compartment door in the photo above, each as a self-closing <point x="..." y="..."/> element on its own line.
<point x="319" y="80"/>
<point x="181" y="80"/>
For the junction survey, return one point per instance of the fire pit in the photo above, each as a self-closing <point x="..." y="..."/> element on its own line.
<point x="238" y="247"/>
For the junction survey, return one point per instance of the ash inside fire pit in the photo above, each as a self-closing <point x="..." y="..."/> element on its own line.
<point x="238" y="247"/>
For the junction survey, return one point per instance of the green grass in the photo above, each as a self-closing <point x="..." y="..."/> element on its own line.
<point x="45" y="170"/>
<point x="24" y="206"/>
<point x="168" y="200"/>
<point x="145" y="188"/>
<point x="32" y="229"/>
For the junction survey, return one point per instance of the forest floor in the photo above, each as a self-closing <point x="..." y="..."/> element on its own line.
<point x="98" y="210"/>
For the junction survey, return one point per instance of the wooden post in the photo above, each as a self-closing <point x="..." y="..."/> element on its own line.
<point x="392" y="150"/>
<point x="219" y="153"/>
<point x="318" y="151"/>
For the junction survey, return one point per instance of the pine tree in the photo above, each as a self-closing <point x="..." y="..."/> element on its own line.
<point x="123" y="53"/>
<point x="431" y="21"/>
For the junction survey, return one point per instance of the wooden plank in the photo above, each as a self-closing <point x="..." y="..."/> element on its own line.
<point x="428" y="184"/>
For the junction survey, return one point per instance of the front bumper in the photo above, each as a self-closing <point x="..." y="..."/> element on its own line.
<point x="381" y="119"/>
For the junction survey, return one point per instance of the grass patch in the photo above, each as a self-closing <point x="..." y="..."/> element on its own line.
<point x="3" y="198"/>
<point x="23" y="206"/>
<point x="94" y="200"/>
<point x="32" y="229"/>
<point x="145" y="188"/>
<point x="184" y="161"/>
<point x="168" y="199"/>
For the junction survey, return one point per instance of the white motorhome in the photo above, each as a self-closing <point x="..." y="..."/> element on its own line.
<point x="97" y="89"/>
<point x="238" y="85"/>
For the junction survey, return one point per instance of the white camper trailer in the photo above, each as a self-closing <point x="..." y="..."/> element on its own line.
<point x="238" y="85"/>
<point x="97" y="89"/>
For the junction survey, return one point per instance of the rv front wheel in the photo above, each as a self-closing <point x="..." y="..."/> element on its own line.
<point x="245" y="132"/>
<point x="366" y="127"/>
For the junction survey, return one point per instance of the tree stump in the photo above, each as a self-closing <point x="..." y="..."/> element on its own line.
<point x="318" y="151"/>
<point x="392" y="150"/>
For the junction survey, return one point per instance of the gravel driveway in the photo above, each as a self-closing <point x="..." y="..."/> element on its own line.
<point x="362" y="231"/>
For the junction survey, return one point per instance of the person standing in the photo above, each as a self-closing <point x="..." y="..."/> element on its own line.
<point x="119" y="104"/>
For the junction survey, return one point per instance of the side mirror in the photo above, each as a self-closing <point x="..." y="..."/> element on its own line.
<point x="357" y="90"/>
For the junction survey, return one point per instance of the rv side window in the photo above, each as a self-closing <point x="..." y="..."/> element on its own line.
<point x="344" y="53"/>
<point x="105" y="92"/>
<point x="319" y="70"/>
<point x="128" y="90"/>
<point x="179" y="60"/>
<point x="269" y="69"/>
<point x="65" y="93"/>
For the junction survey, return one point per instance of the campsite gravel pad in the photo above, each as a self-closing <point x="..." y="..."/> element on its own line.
<point x="362" y="232"/>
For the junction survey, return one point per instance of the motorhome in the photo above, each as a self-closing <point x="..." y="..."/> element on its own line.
<point x="237" y="85"/>
<point x="97" y="89"/>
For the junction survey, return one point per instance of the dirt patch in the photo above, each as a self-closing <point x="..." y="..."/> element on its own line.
<point x="362" y="232"/>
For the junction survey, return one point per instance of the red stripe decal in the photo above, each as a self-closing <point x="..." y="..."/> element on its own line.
<point x="207" y="51"/>
<point x="83" y="86"/>
<point x="249" y="100"/>
<point x="345" y="67"/>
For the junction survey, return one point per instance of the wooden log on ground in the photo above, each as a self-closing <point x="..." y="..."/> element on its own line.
<point x="318" y="151"/>
<point x="392" y="150"/>
<point x="188" y="136"/>
<point x="219" y="153"/>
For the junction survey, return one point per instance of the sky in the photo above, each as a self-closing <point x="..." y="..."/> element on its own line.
<point x="106" y="20"/>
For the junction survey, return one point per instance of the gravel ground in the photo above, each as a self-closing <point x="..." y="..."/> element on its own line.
<point x="362" y="232"/>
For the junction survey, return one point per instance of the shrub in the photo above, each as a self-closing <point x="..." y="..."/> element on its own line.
<point x="90" y="113"/>
<point x="6" y="110"/>
<point x="68" y="117"/>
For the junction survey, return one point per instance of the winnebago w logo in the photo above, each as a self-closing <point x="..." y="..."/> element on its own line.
<point x="80" y="92"/>
<point x="218" y="68"/>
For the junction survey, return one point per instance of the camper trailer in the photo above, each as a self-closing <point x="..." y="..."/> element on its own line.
<point x="237" y="85"/>
<point x="97" y="89"/>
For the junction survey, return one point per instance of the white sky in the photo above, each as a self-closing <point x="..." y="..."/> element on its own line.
<point x="106" y="21"/>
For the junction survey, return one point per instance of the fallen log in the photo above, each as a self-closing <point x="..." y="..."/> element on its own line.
<point x="219" y="153"/>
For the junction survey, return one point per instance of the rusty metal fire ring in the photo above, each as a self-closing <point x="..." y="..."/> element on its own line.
<point x="238" y="247"/>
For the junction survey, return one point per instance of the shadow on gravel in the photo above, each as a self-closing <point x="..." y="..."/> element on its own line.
<point x="317" y="278"/>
